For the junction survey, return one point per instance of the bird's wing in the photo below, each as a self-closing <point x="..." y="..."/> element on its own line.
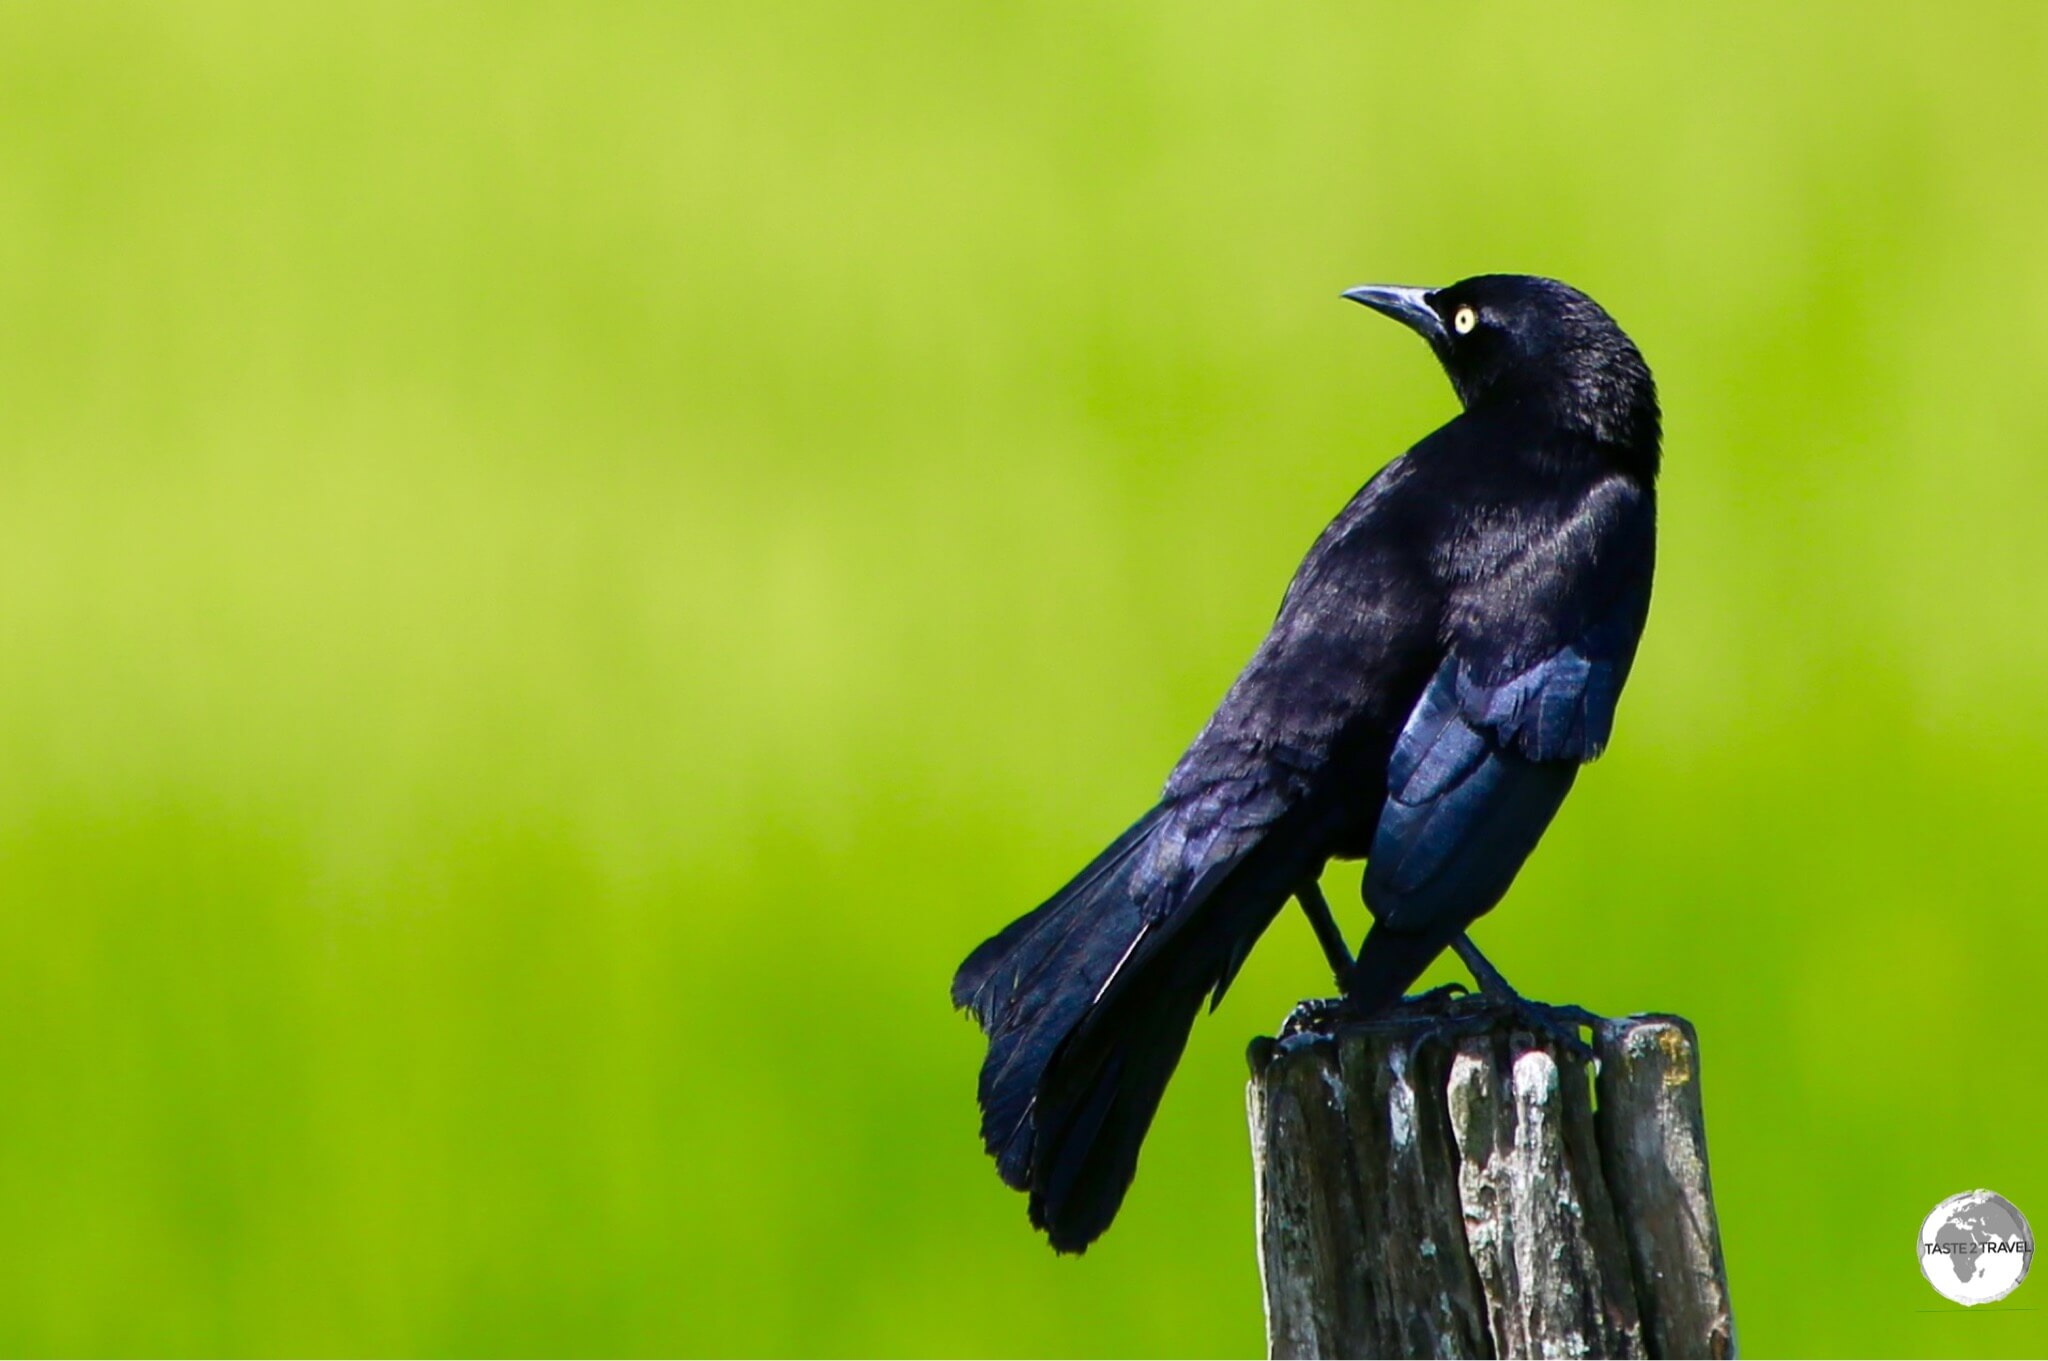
<point x="1468" y="797"/>
<point x="1490" y="750"/>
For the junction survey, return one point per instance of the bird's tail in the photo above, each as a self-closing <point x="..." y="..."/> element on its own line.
<point x="1087" y="1003"/>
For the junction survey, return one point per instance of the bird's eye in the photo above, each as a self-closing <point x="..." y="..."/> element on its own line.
<point x="1463" y="320"/>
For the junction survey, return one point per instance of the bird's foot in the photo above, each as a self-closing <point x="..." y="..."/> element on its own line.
<point x="1497" y="999"/>
<point x="1321" y="1015"/>
<point x="1318" y="1015"/>
<point x="1566" y="1026"/>
<point x="1562" y="1026"/>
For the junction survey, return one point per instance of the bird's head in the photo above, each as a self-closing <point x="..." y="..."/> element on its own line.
<point x="1517" y="339"/>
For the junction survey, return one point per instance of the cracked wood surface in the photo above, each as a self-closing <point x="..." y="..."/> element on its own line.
<point x="1428" y="1186"/>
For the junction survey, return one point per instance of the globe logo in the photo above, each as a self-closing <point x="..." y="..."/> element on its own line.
<point x="1976" y="1247"/>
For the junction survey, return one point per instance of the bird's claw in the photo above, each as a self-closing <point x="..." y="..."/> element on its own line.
<point x="1561" y="1025"/>
<point x="1453" y="1010"/>
<point x="1321" y="1014"/>
<point x="1317" y="1014"/>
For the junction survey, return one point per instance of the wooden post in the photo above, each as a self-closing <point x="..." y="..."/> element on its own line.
<point x="1438" y="1183"/>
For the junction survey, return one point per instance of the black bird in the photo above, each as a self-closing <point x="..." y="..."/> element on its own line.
<point x="1446" y="656"/>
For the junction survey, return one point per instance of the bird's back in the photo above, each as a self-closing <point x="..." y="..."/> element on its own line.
<point x="1470" y="534"/>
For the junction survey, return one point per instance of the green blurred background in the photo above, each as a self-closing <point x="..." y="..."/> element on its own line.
<point x="560" y="565"/>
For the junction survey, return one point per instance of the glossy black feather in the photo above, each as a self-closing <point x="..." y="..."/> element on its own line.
<point x="1450" y="651"/>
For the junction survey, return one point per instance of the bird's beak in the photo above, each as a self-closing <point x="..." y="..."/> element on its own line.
<point x="1409" y="306"/>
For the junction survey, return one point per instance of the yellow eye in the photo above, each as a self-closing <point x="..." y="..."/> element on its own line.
<point x="1463" y="320"/>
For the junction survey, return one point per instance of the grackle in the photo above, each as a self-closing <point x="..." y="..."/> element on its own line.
<point x="1446" y="656"/>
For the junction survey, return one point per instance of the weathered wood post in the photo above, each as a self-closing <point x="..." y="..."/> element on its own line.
<point x="1439" y="1182"/>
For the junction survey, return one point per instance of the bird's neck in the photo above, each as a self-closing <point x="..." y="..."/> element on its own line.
<point x="1595" y="419"/>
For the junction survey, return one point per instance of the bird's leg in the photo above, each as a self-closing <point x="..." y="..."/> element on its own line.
<point x="1483" y="973"/>
<point x="1314" y="1014"/>
<point x="1328" y="935"/>
<point x="1561" y="1024"/>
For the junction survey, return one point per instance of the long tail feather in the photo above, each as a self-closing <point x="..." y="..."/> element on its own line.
<point x="1088" y="1002"/>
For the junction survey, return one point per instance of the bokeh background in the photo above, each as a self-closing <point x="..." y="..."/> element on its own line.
<point x="559" y="565"/>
